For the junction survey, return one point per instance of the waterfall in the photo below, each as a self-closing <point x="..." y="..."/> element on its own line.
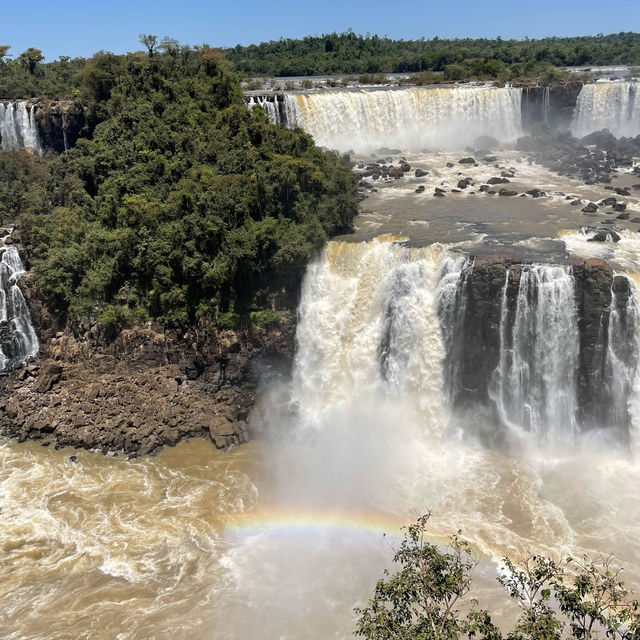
<point x="621" y="357"/>
<point x="270" y="107"/>
<point x="18" y="128"/>
<point x="546" y="104"/>
<point x="535" y="381"/>
<point x="608" y="105"/>
<point x="446" y="334"/>
<point x="18" y="339"/>
<point x="405" y="118"/>
<point x="369" y="325"/>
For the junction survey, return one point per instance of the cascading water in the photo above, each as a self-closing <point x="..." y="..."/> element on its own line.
<point x="406" y="118"/>
<point x="535" y="381"/>
<point x="18" y="339"/>
<point x="369" y="325"/>
<point x="608" y="105"/>
<point x="621" y="359"/>
<point x="18" y="128"/>
<point x="270" y="107"/>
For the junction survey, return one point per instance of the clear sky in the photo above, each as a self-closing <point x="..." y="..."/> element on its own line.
<point x="71" y="27"/>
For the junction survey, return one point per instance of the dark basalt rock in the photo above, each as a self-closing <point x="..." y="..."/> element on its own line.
<point x="467" y="160"/>
<point x="471" y="363"/>
<point x="605" y="236"/>
<point x="507" y="192"/>
<point x="420" y="189"/>
<point x="536" y="193"/>
<point x="419" y="173"/>
<point x="592" y="207"/>
<point x="498" y="181"/>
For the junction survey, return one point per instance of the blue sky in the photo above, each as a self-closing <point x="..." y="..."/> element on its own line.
<point x="71" y="27"/>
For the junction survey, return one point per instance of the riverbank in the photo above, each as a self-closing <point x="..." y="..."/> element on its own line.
<point x="142" y="390"/>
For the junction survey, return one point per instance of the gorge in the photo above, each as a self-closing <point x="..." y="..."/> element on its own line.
<point x="473" y="352"/>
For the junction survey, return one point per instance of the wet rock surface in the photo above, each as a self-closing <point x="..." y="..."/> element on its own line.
<point x="481" y="317"/>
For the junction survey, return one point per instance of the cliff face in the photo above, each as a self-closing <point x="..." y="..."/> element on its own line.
<point x="60" y="124"/>
<point x="480" y="326"/>
<point x="145" y="389"/>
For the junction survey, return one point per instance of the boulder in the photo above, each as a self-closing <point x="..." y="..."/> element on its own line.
<point x="498" y="181"/>
<point x="49" y="375"/>
<point x="536" y="193"/>
<point x="467" y="160"/>
<point x="592" y="207"/>
<point x="420" y="189"/>
<point x="605" y="236"/>
<point x="623" y="216"/>
<point x="507" y="192"/>
<point x="607" y="202"/>
<point x="419" y="173"/>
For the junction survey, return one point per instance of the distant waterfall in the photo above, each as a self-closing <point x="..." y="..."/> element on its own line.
<point x="535" y="381"/>
<point x="18" y="339"/>
<point x="405" y="118"/>
<point x="608" y="105"/>
<point x="18" y="128"/>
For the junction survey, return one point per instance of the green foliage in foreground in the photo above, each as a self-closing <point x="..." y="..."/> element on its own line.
<point x="183" y="206"/>
<point x="582" y="599"/>
<point x="349" y="52"/>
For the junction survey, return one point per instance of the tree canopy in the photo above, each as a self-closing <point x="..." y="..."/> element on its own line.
<point x="180" y="205"/>
<point x="428" y="597"/>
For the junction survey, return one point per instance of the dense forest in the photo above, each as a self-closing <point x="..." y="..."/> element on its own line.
<point x="179" y="204"/>
<point x="347" y="53"/>
<point x="26" y="74"/>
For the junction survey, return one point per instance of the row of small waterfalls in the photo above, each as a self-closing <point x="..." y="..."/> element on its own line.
<point x="446" y="117"/>
<point x="405" y="118"/>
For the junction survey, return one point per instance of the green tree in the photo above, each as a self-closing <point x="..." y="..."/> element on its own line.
<point x="149" y="41"/>
<point x="421" y="600"/>
<point x="30" y="58"/>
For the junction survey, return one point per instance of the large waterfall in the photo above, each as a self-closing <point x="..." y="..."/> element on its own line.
<point x="405" y="118"/>
<point x="18" y="128"/>
<point x="608" y="105"/>
<point x="18" y="339"/>
<point x="424" y="325"/>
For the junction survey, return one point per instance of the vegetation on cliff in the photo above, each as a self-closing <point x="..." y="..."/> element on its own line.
<point x="182" y="206"/>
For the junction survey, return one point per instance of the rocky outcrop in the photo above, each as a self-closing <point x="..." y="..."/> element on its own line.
<point x="145" y="389"/>
<point x="60" y="123"/>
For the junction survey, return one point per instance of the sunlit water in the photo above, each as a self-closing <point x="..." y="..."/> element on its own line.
<point x="282" y="537"/>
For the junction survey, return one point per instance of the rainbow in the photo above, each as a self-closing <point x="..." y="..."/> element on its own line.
<point x="310" y="521"/>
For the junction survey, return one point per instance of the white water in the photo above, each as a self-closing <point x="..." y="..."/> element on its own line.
<point x="535" y="382"/>
<point x="411" y="119"/>
<point x="270" y="107"/>
<point x="18" y="339"/>
<point x="18" y="128"/>
<point x="608" y="105"/>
